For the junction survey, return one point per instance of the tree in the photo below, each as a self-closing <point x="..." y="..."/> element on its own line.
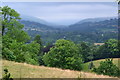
<point x="91" y="56"/>
<point x="112" y="46"/>
<point x="38" y="39"/>
<point x="107" y="68"/>
<point x="64" y="54"/>
<point x="15" y="31"/>
<point x="84" y="50"/>
<point x="109" y="50"/>
<point x="7" y="15"/>
<point x="30" y="53"/>
<point x="11" y="25"/>
<point x="20" y="52"/>
<point x="14" y="39"/>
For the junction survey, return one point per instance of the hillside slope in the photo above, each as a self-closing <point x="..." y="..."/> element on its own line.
<point x="97" y="63"/>
<point x="23" y="70"/>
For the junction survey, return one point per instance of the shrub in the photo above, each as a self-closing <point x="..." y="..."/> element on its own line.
<point x="8" y="54"/>
<point x="7" y="75"/>
<point x="107" y="68"/>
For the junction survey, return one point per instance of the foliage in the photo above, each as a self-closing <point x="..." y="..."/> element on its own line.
<point x="20" y="52"/>
<point x="84" y="50"/>
<point x="31" y="52"/>
<point x="8" y="54"/>
<point x="64" y="54"/>
<point x="11" y="25"/>
<point x="38" y="39"/>
<point x="14" y="39"/>
<point x="8" y="14"/>
<point x="7" y="75"/>
<point x="107" y="68"/>
<point x="91" y="65"/>
<point x="108" y="50"/>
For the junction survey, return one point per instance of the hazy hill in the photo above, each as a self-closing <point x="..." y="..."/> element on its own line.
<point x="41" y="21"/>
<point x="95" y="19"/>
<point x="35" y="25"/>
<point x="93" y="26"/>
<point x="92" y="32"/>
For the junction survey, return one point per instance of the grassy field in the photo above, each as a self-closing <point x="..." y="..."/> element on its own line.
<point x="23" y="70"/>
<point x="97" y="63"/>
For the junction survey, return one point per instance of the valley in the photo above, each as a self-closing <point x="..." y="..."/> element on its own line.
<point x="34" y="48"/>
<point x="91" y="32"/>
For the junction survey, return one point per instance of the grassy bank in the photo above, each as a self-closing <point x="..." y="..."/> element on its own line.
<point x="23" y="70"/>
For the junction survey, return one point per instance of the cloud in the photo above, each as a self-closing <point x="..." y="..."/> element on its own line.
<point x="65" y="12"/>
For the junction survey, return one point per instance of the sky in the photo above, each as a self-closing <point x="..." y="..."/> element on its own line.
<point x="65" y="13"/>
<point x="59" y="0"/>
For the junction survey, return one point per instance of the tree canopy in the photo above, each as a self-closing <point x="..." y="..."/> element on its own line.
<point x="14" y="39"/>
<point x="64" y="54"/>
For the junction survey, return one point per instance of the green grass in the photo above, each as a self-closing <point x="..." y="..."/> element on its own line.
<point x="97" y="63"/>
<point x="23" y="70"/>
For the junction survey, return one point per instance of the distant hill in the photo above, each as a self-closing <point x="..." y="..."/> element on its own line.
<point x="41" y="21"/>
<point x="95" y="19"/>
<point x="36" y="25"/>
<point x="46" y="32"/>
<point x="94" y="26"/>
<point x="92" y="32"/>
<point x="95" y="32"/>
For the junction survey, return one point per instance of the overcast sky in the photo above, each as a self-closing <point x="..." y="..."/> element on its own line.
<point x="65" y="12"/>
<point x="59" y="0"/>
